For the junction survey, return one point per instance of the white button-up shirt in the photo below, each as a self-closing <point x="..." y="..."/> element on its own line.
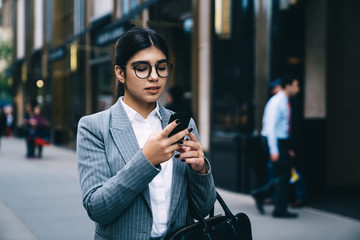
<point x="160" y="186"/>
<point x="276" y="120"/>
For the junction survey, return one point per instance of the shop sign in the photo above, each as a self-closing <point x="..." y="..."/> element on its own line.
<point x="109" y="36"/>
<point x="57" y="54"/>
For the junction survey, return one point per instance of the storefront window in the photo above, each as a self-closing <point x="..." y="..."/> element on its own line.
<point x="102" y="8"/>
<point x="103" y="75"/>
<point x="233" y="80"/>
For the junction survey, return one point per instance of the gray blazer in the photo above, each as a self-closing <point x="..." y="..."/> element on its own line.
<point x="114" y="176"/>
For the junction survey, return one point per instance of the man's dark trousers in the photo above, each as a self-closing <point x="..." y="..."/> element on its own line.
<point x="279" y="184"/>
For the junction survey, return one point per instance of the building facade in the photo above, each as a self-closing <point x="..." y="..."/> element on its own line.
<point x="225" y="51"/>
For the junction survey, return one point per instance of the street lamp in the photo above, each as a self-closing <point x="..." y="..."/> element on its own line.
<point x="39" y="83"/>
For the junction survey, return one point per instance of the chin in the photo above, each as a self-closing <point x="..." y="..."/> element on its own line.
<point x="151" y="99"/>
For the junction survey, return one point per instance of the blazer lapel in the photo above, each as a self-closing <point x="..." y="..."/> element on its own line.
<point x="125" y="139"/>
<point x="122" y="132"/>
<point x="179" y="168"/>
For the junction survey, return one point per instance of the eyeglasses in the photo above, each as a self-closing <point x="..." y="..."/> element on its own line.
<point x="143" y="70"/>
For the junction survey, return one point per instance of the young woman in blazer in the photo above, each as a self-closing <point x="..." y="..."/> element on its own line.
<point x="136" y="181"/>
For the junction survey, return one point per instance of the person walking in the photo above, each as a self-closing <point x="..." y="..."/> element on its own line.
<point x="276" y="143"/>
<point x="8" y="110"/>
<point x="136" y="181"/>
<point x="41" y="125"/>
<point x="2" y="124"/>
<point x="28" y="130"/>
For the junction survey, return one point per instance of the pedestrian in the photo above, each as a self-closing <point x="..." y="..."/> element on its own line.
<point x="2" y="124"/>
<point x="276" y="143"/>
<point x="297" y="185"/>
<point x="176" y="101"/>
<point x="27" y="128"/>
<point x="41" y="130"/>
<point x="136" y="181"/>
<point x="8" y="110"/>
<point x="36" y="138"/>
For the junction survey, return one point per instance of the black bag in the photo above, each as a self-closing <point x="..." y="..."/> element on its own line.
<point x="220" y="227"/>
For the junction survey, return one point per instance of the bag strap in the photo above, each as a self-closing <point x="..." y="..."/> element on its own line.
<point x="226" y="209"/>
<point x="212" y="212"/>
<point x="201" y="220"/>
<point x="233" y="221"/>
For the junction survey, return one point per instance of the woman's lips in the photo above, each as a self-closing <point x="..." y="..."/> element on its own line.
<point x="153" y="90"/>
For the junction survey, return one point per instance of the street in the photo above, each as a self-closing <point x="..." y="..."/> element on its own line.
<point x="41" y="199"/>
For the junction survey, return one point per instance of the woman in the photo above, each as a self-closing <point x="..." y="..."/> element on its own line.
<point x="37" y="133"/>
<point x="136" y="181"/>
<point x="40" y="130"/>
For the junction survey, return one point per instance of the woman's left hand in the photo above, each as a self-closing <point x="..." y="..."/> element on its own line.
<point x="193" y="154"/>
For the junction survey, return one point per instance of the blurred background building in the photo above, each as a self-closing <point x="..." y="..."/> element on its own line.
<point x="226" y="52"/>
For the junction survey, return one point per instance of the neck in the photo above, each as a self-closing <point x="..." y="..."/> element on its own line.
<point x="144" y="109"/>
<point x="287" y="93"/>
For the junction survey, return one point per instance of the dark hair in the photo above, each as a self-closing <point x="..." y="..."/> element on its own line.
<point x="130" y="43"/>
<point x="287" y="80"/>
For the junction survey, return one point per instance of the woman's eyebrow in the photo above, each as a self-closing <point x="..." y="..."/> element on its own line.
<point x="140" y="62"/>
<point x="162" y="60"/>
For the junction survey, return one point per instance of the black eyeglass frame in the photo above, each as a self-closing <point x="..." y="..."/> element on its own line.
<point x="156" y="69"/>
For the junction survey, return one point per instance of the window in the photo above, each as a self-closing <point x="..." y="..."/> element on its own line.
<point x="102" y="8"/>
<point x="38" y="24"/>
<point x="20" y="31"/>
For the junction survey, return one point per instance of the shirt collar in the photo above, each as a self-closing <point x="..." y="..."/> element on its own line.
<point x="135" y="116"/>
<point x="282" y="94"/>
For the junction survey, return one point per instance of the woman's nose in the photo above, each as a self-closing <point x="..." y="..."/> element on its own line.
<point x="153" y="75"/>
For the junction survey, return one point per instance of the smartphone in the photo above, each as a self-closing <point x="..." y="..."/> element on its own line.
<point x="184" y="118"/>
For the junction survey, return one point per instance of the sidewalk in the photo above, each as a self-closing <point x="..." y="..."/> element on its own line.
<point x="41" y="199"/>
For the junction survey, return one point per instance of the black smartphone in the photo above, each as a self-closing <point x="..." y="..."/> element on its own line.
<point x="184" y="118"/>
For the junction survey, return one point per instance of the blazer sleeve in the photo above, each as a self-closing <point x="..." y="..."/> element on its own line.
<point x="106" y="197"/>
<point x="201" y="186"/>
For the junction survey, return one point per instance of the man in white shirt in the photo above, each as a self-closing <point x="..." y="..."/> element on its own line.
<point x="275" y="141"/>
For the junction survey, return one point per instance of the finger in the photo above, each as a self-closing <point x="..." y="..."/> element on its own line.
<point x="167" y="130"/>
<point x="193" y="145"/>
<point x="196" y="146"/>
<point x="194" y="162"/>
<point x="187" y="149"/>
<point x="190" y="154"/>
<point x="184" y="149"/>
<point x="178" y="136"/>
<point x="181" y="150"/>
<point x="175" y="147"/>
<point x="192" y="136"/>
<point x="191" y="161"/>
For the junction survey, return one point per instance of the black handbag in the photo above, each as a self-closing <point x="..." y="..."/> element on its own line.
<point x="220" y="227"/>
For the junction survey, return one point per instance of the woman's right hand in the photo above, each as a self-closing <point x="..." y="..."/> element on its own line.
<point x="159" y="147"/>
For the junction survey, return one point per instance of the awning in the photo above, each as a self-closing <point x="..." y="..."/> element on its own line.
<point x="113" y="31"/>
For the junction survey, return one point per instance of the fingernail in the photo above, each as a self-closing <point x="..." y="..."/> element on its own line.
<point x="181" y="142"/>
<point x="190" y="130"/>
<point x="177" y="121"/>
<point x="183" y="160"/>
<point x="187" y="139"/>
<point x="177" y="155"/>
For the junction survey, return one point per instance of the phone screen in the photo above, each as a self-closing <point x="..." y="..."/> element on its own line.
<point x="184" y="121"/>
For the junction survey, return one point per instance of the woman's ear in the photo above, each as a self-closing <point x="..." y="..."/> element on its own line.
<point x="119" y="73"/>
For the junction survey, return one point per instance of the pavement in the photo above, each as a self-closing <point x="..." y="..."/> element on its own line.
<point x="40" y="199"/>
